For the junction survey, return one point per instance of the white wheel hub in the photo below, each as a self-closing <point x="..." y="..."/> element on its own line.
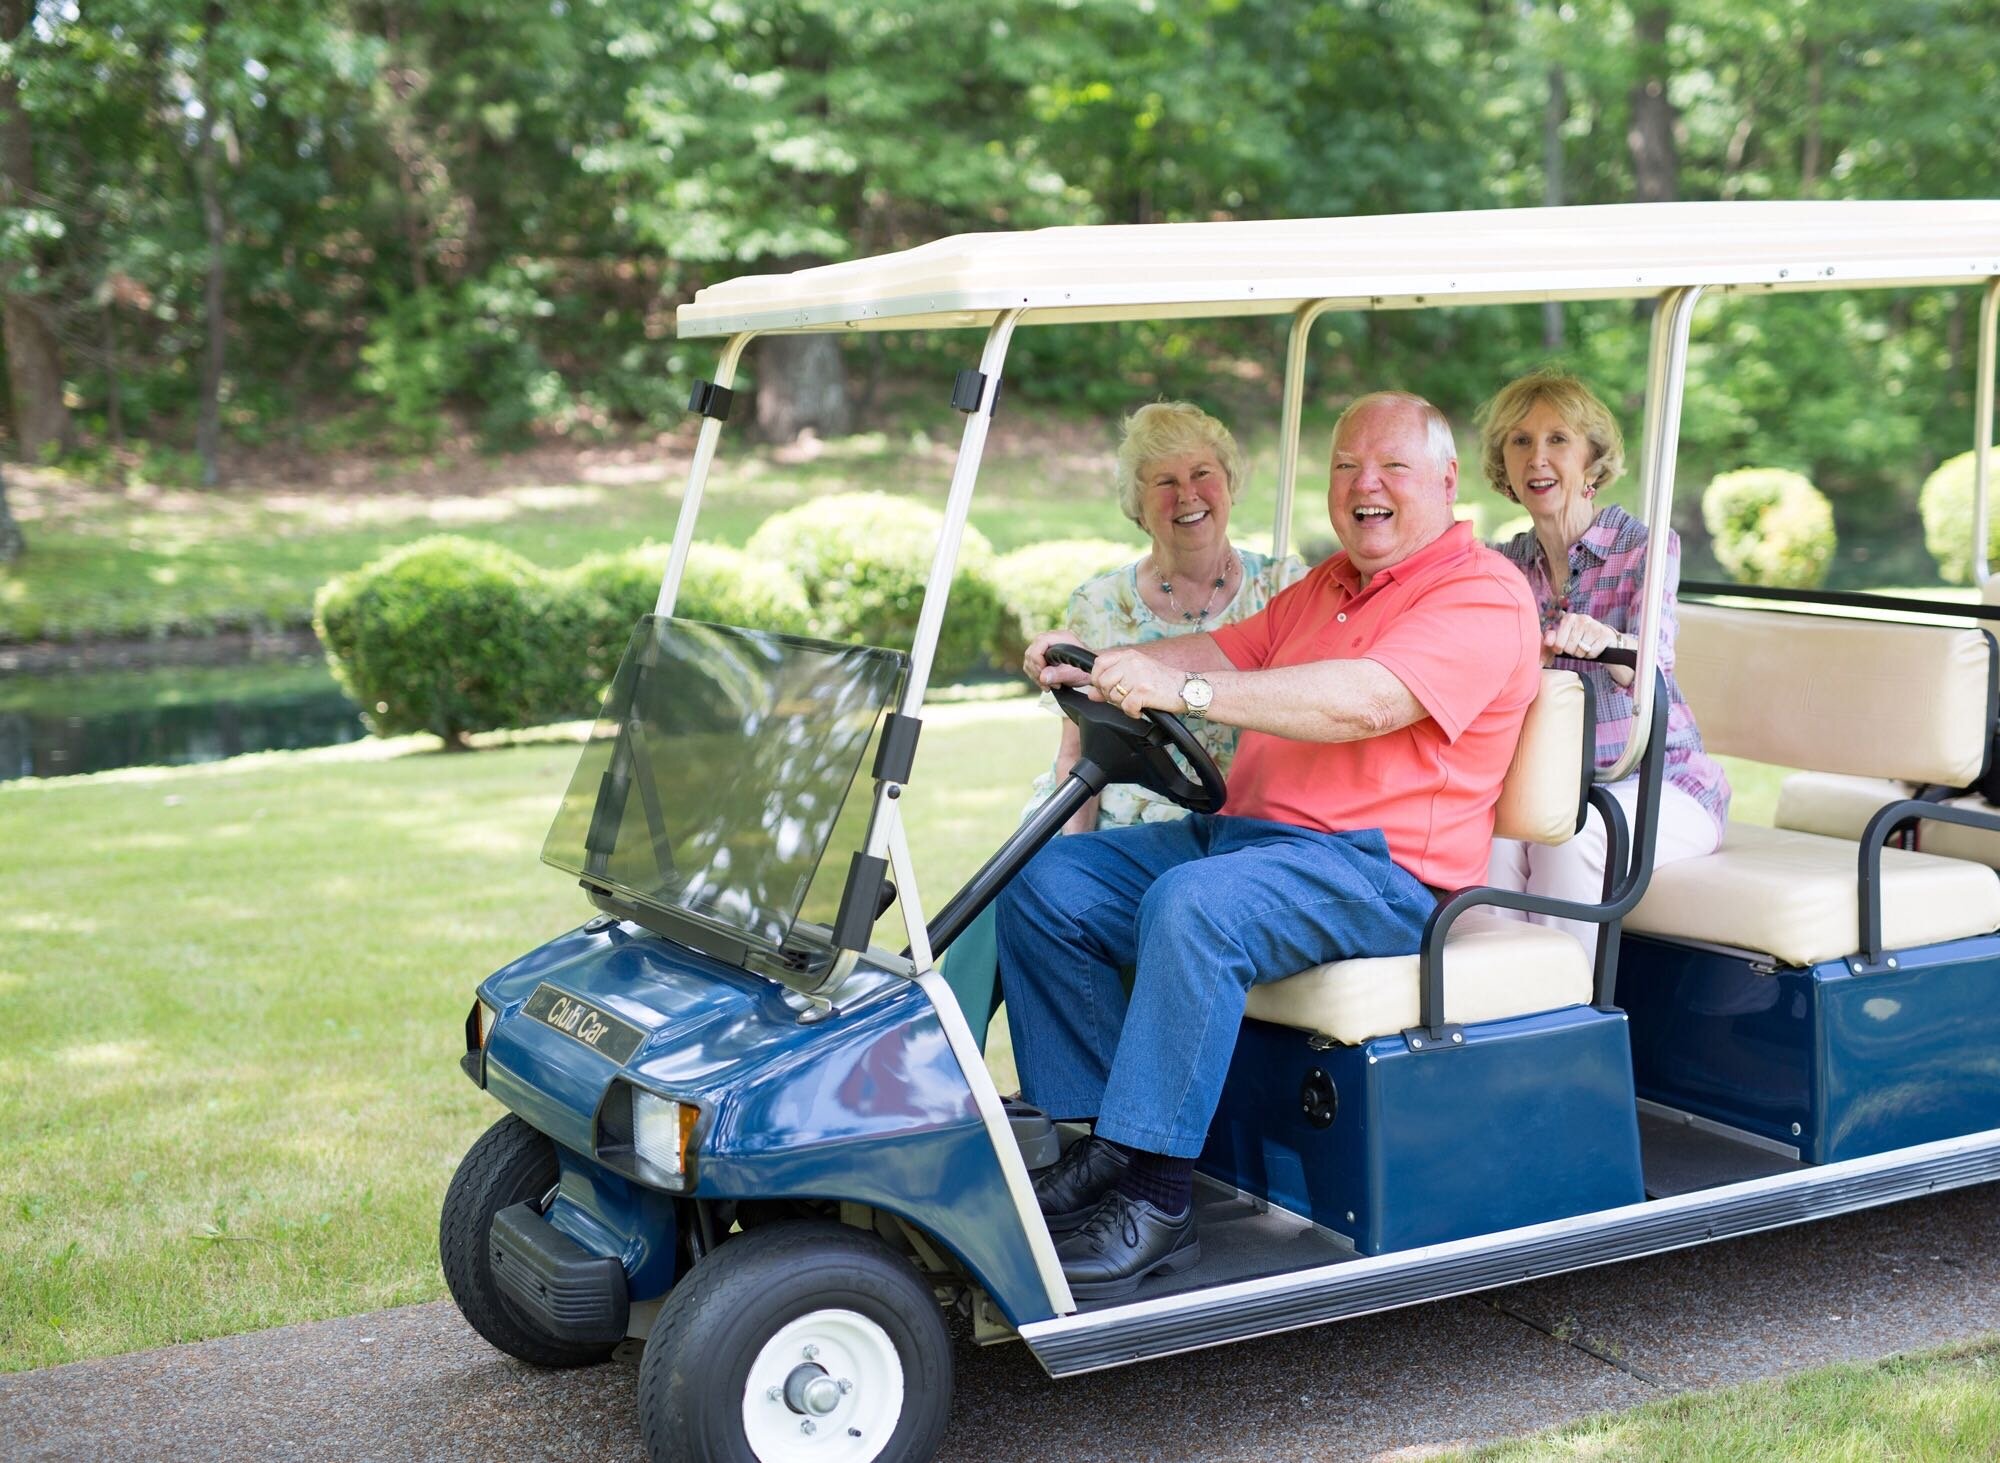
<point x="828" y="1387"/>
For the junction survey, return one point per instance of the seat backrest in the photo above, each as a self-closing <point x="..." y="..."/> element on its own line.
<point x="1830" y="693"/>
<point x="1542" y="800"/>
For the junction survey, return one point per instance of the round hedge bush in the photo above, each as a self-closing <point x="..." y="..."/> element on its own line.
<point x="1036" y="583"/>
<point x="721" y="585"/>
<point x="451" y="636"/>
<point x="1946" y="506"/>
<point x="864" y="558"/>
<point x="1769" y="526"/>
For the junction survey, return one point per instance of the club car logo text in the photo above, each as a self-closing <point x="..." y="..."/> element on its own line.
<point x="598" y="1030"/>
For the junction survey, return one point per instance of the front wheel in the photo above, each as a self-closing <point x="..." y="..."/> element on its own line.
<point x="510" y="1164"/>
<point x="799" y="1342"/>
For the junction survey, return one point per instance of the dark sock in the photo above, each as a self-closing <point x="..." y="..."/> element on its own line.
<point x="1165" y="1183"/>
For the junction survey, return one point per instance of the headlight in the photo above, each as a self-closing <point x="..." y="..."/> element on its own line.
<point x="645" y="1135"/>
<point x="479" y="1025"/>
<point x="660" y="1132"/>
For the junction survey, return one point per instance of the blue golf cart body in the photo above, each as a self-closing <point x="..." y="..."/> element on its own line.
<point x="742" y="1130"/>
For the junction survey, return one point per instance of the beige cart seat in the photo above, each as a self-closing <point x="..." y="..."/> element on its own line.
<point x="1859" y="698"/>
<point x="1494" y="967"/>
<point x="1840" y="807"/>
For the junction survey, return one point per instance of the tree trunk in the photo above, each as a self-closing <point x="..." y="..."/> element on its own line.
<point x="12" y="545"/>
<point x="114" y="382"/>
<point x="1809" y="148"/>
<point x="1553" y="116"/>
<point x="34" y="357"/>
<point x="208" y="433"/>
<point x="1656" y="162"/>
<point x="801" y="384"/>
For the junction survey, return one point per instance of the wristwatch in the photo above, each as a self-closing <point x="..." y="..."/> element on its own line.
<point x="1196" y="693"/>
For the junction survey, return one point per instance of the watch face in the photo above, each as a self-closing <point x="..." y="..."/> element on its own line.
<point x="1197" y="693"/>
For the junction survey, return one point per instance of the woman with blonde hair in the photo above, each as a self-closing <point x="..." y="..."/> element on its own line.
<point x="1179" y="473"/>
<point x="1550" y="445"/>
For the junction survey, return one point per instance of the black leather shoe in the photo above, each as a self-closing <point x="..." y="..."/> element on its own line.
<point x="1070" y="1192"/>
<point x="1121" y="1244"/>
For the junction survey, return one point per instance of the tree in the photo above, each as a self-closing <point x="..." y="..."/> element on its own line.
<point x="12" y="544"/>
<point x="27" y="228"/>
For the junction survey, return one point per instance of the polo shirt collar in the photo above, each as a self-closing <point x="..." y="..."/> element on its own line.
<point x="1450" y="544"/>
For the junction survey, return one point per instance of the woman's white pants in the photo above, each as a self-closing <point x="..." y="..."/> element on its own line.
<point x="1575" y="870"/>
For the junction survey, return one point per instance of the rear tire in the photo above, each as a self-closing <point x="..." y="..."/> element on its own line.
<point x="510" y="1164"/>
<point x="798" y="1307"/>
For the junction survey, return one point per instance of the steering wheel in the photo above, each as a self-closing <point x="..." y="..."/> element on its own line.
<point x="1130" y="750"/>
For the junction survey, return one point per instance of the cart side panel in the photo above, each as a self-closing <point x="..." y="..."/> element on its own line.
<point x="1839" y="1065"/>
<point x="1528" y="1120"/>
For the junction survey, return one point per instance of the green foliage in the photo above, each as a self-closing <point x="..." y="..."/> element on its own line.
<point x="1036" y="583"/>
<point x="487" y="214"/>
<point x="721" y="585"/>
<point x="1770" y="526"/>
<point x="451" y="636"/>
<point x="1946" y="506"/>
<point x="865" y="558"/>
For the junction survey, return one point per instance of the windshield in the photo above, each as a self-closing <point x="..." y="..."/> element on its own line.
<point x="716" y="774"/>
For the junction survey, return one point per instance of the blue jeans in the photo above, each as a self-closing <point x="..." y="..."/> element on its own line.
<point x="1203" y="909"/>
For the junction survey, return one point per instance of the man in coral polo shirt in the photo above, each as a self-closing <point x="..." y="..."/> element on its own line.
<point x="1379" y="700"/>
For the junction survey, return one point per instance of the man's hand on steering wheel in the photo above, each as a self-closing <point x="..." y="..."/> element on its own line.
<point x="1153" y="748"/>
<point x="1045" y="673"/>
<point x="1136" y="683"/>
<point x="1125" y="676"/>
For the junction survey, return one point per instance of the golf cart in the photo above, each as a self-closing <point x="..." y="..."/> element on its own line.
<point x="739" y="1129"/>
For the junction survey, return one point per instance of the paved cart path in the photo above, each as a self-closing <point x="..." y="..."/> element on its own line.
<point x="416" y="1384"/>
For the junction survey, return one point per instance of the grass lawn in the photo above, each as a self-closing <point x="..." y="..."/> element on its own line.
<point x="1929" y="1408"/>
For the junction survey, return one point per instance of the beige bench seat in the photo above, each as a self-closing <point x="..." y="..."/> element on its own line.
<point x="1495" y="967"/>
<point x="1795" y="896"/>
<point x="1840" y="807"/>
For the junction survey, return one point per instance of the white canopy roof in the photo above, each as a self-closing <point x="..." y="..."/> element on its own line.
<point x="1116" y="272"/>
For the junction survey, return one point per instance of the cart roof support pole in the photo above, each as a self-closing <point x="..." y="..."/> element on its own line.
<point x="704" y="454"/>
<point x="1666" y="376"/>
<point x="1982" y="435"/>
<point x="1303" y="320"/>
<point x="930" y="620"/>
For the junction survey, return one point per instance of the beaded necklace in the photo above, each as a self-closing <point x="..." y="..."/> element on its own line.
<point x="1195" y="617"/>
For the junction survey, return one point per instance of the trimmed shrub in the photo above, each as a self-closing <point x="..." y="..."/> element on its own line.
<point x="1946" y="506"/>
<point x="863" y="559"/>
<point x="721" y="585"/>
<point x="1036" y="583"/>
<point x="1769" y="527"/>
<point x="451" y="636"/>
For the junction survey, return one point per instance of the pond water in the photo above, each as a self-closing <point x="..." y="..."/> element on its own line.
<point x="58" y="725"/>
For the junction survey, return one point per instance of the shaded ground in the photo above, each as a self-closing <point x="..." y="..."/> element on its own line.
<point x="416" y="1383"/>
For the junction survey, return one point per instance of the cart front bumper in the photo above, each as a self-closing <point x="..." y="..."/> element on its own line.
<point x="561" y="1288"/>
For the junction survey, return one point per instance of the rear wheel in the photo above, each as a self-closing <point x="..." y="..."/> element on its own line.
<point x="510" y="1164"/>
<point x="799" y="1342"/>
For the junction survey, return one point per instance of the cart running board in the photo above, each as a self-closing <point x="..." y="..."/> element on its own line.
<point x="1190" y="1320"/>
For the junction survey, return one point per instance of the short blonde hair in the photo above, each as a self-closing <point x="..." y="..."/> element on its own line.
<point x="1571" y="400"/>
<point x="1166" y="429"/>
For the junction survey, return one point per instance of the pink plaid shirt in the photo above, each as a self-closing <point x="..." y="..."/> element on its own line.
<point x="1607" y="568"/>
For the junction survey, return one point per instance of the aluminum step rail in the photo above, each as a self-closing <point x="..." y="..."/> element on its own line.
<point x="1138" y="1331"/>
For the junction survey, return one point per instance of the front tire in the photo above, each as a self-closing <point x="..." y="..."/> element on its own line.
<point x="510" y="1164"/>
<point x="747" y="1361"/>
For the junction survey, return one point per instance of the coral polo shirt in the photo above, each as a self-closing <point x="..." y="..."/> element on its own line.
<point x="1456" y="624"/>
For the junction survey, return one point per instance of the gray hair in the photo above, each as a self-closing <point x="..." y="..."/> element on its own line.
<point x="1166" y="429"/>
<point x="1437" y="428"/>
